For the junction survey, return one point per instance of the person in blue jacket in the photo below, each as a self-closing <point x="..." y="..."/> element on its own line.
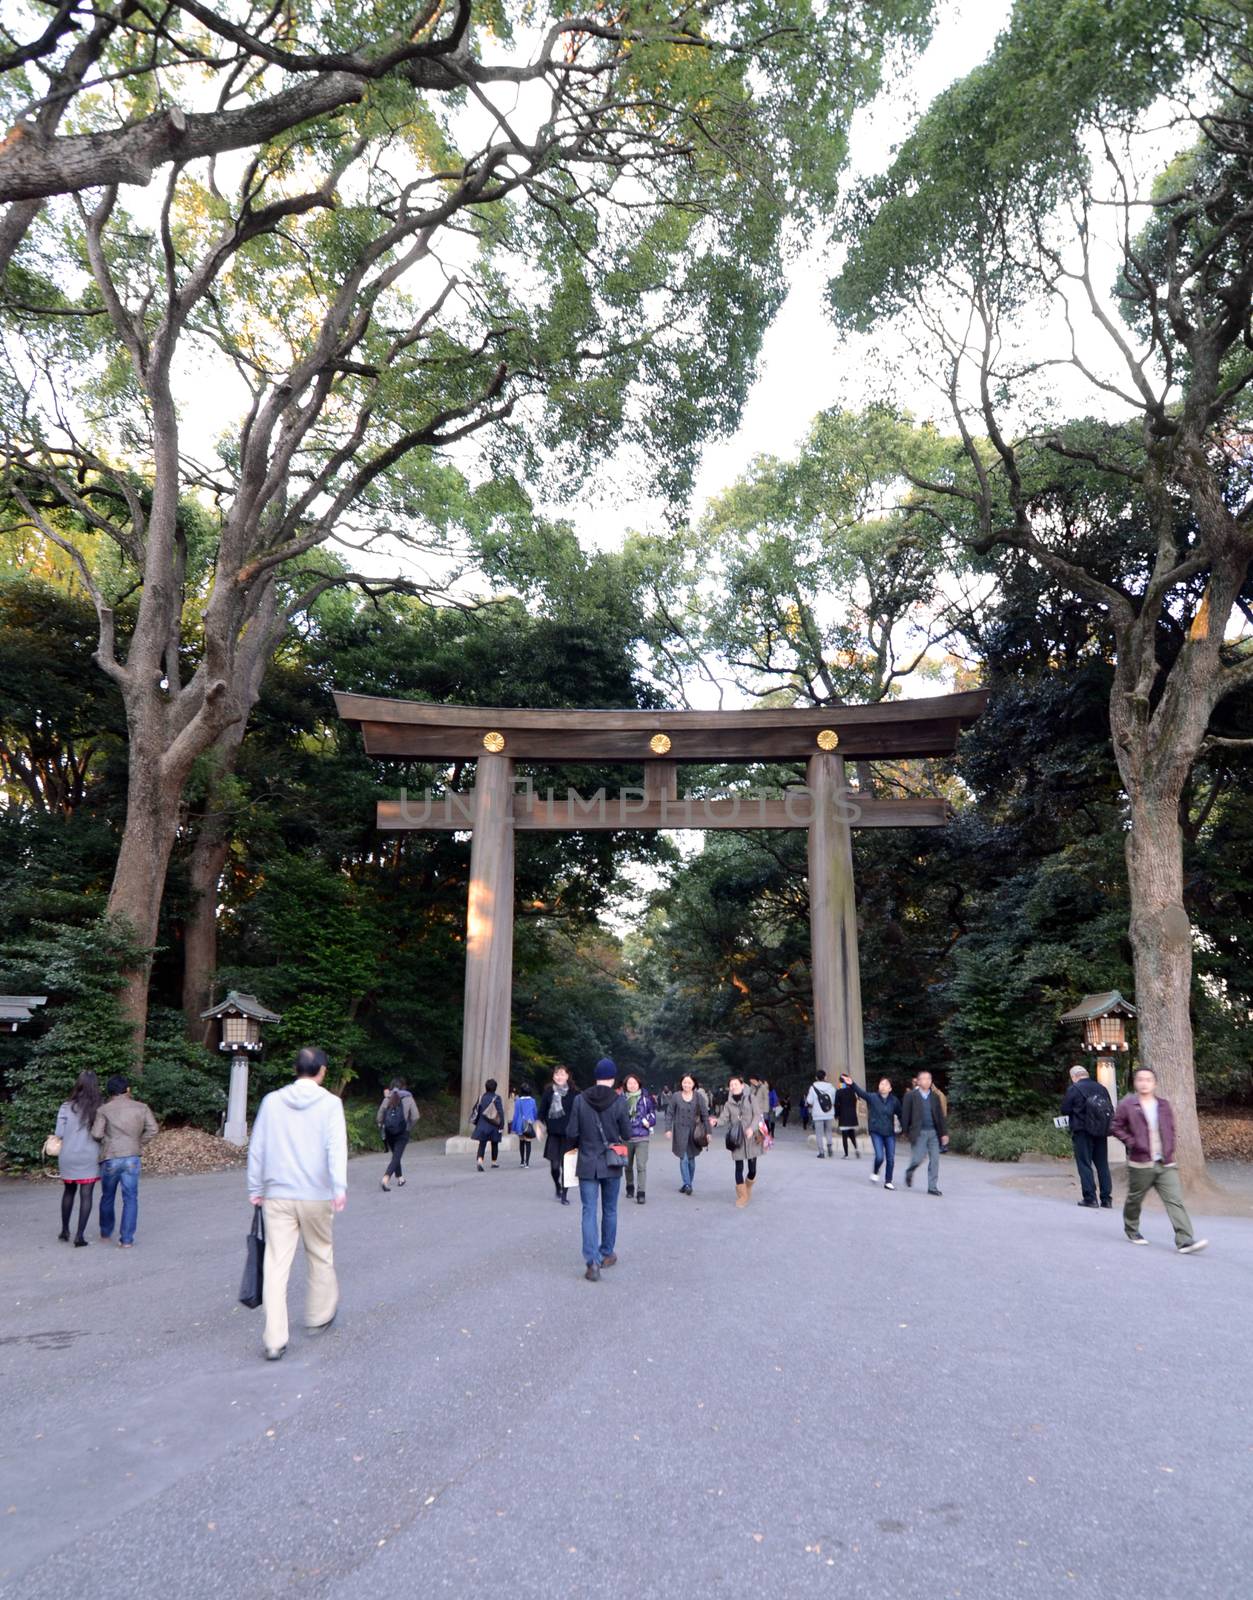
<point x="523" y="1123"/>
<point x="642" y="1109"/>
<point x="883" y="1111"/>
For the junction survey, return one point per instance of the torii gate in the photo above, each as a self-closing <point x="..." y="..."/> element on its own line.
<point x="659" y="740"/>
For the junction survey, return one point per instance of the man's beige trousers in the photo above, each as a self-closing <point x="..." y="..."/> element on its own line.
<point x="308" y="1221"/>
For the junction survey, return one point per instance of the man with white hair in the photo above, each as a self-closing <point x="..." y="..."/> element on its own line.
<point x="1091" y="1112"/>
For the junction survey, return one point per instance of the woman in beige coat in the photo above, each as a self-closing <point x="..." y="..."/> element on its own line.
<point x="744" y="1138"/>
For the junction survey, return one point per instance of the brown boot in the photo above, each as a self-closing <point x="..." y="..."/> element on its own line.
<point x="741" y="1195"/>
<point x="748" y="1190"/>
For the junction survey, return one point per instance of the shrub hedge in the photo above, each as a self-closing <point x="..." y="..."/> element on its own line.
<point x="1011" y="1139"/>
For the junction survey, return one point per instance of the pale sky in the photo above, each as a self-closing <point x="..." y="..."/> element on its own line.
<point x="805" y="367"/>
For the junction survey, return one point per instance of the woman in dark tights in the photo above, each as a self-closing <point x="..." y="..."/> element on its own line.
<point x="489" y="1123"/>
<point x="846" y="1114"/>
<point x="78" y="1164"/>
<point x="554" y="1113"/>
<point x="744" y="1137"/>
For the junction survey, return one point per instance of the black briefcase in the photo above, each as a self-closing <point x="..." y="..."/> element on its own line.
<point x="254" y="1262"/>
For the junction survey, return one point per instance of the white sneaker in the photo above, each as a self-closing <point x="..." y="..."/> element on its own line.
<point x="889" y="1186"/>
<point x="1188" y="1249"/>
<point x="874" y="1177"/>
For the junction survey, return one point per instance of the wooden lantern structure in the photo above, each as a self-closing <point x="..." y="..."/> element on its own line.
<point x="241" y="1017"/>
<point x="1104" y="1018"/>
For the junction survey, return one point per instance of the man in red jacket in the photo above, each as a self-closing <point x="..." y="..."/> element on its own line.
<point x="1146" y="1125"/>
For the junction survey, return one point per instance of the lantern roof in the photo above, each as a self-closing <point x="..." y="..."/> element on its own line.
<point x="1092" y="1006"/>
<point x="20" y="1007"/>
<point x="240" y="1005"/>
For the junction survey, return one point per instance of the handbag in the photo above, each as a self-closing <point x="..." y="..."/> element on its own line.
<point x="735" y="1136"/>
<point x="700" y="1132"/>
<point x="254" y="1262"/>
<point x="528" y="1131"/>
<point x="52" y="1145"/>
<point x="615" y="1154"/>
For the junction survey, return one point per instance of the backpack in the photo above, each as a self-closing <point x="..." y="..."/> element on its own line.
<point x="1096" y="1115"/>
<point x="394" y="1119"/>
<point x="825" y="1101"/>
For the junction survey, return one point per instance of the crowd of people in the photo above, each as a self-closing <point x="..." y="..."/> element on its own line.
<point x="597" y="1139"/>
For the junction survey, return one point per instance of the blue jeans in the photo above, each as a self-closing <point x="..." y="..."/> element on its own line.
<point x="606" y="1191"/>
<point x="123" y="1170"/>
<point x="884" y="1152"/>
<point x="687" y="1170"/>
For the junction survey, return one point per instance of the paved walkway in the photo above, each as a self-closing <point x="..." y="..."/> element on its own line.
<point x="838" y="1391"/>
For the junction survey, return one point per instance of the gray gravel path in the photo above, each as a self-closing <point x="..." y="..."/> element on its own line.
<point x="838" y="1391"/>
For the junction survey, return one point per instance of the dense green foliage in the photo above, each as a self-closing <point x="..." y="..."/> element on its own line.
<point x="974" y="940"/>
<point x="83" y="1028"/>
<point x="182" y="1081"/>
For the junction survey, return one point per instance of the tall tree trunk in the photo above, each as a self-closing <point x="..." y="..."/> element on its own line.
<point x="200" y="930"/>
<point x="208" y="857"/>
<point x="152" y="809"/>
<point x="1161" y="943"/>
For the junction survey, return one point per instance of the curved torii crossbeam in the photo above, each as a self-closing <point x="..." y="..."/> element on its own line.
<point x="659" y="741"/>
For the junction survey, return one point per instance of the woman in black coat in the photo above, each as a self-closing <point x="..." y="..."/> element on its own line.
<point x="554" y="1113"/>
<point x="489" y="1123"/>
<point x="846" y="1114"/>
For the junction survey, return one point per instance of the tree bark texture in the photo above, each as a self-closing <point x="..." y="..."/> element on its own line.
<point x="489" y="936"/>
<point x="1161" y="942"/>
<point x="838" y="1045"/>
<point x="209" y="853"/>
<point x="152" y="811"/>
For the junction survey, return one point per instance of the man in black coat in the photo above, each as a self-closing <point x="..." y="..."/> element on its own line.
<point x="600" y="1125"/>
<point x="1089" y="1107"/>
<point x="925" y="1126"/>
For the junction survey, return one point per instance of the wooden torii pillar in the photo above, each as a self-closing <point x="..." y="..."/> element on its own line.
<point x="500" y="806"/>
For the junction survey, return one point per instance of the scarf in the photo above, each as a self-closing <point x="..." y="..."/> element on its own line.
<point x="559" y="1095"/>
<point x="633" y="1100"/>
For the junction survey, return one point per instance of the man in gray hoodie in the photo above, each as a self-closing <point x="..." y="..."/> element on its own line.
<point x="298" y="1174"/>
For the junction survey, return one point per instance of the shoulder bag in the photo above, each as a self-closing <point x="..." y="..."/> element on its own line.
<point x="615" y="1154"/>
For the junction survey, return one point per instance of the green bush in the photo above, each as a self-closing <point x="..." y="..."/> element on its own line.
<point x="363" y="1132"/>
<point x="441" y="1116"/>
<point x="1010" y="1139"/>
<point x="183" y="1083"/>
<point x="79" y="968"/>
